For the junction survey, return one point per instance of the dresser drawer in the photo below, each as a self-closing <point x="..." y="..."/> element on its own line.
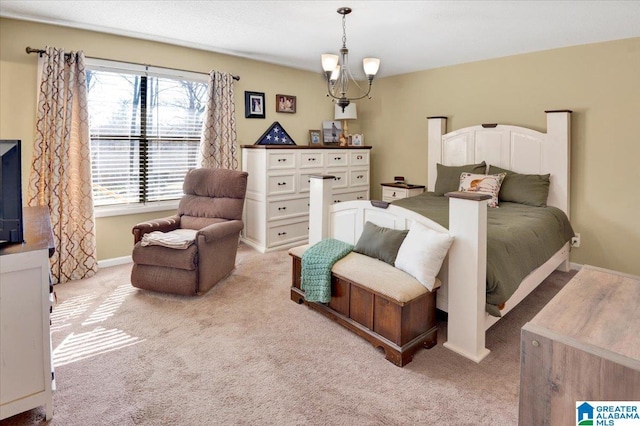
<point x="310" y="160"/>
<point x="281" y="184"/>
<point x="336" y="158"/>
<point x="283" y="232"/>
<point x="350" y="196"/>
<point x="359" y="178"/>
<point x="283" y="208"/>
<point x="281" y="160"/>
<point x="392" y="194"/>
<point x="340" y="179"/>
<point x="359" y="158"/>
<point x="304" y="180"/>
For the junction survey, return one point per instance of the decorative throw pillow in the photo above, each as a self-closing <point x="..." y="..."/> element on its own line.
<point x="448" y="178"/>
<point x="484" y="184"/>
<point x="531" y="190"/>
<point x="422" y="253"/>
<point x="380" y="243"/>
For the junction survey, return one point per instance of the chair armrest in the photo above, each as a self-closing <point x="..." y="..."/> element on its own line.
<point x="165" y="224"/>
<point x="220" y="230"/>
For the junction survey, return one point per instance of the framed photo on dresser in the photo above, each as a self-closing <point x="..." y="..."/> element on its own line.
<point x="331" y="131"/>
<point x="357" y="140"/>
<point x="315" y="137"/>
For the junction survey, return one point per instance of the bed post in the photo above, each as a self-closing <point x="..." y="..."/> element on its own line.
<point x="467" y="274"/>
<point x="558" y="157"/>
<point x="437" y="126"/>
<point x="559" y="163"/>
<point x="319" y="201"/>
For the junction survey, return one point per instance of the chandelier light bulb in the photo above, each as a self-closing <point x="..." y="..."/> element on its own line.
<point x="329" y="62"/>
<point x="371" y="66"/>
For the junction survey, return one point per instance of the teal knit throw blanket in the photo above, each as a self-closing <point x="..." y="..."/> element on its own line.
<point x="317" y="262"/>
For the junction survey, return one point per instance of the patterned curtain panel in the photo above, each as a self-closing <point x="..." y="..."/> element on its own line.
<point x="219" y="145"/>
<point x="61" y="171"/>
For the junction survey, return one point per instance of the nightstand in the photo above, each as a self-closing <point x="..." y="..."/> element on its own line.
<point x="397" y="191"/>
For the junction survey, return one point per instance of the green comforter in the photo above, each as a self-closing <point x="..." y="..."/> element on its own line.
<point x="520" y="238"/>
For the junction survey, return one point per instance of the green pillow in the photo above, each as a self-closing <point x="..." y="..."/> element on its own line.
<point x="380" y="243"/>
<point x="448" y="179"/>
<point x="531" y="190"/>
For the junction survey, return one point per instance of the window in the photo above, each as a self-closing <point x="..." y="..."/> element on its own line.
<point x="145" y="127"/>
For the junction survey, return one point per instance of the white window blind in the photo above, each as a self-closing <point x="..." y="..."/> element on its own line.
<point x="145" y="127"/>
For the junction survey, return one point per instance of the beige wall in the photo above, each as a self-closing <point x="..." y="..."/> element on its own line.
<point x="18" y="93"/>
<point x="599" y="82"/>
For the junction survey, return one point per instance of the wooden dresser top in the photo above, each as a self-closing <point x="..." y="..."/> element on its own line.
<point x="598" y="308"/>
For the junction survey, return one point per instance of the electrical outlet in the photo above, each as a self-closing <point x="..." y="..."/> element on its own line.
<point x="575" y="241"/>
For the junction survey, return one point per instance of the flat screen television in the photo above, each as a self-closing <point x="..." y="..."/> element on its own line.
<point x="10" y="192"/>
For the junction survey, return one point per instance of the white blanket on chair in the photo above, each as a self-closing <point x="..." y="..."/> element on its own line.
<point x="176" y="239"/>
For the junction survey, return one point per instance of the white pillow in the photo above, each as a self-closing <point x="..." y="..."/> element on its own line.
<point x="422" y="253"/>
<point x="484" y="184"/>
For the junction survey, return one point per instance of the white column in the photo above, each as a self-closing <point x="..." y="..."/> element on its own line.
<point x="437" y="126"/>
<point x="467" y="275"/>
<point x="319" y="203"/>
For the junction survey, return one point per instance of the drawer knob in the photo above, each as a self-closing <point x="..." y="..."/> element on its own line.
<point x="311" y="159"/>
<point x="535" y="343"/>
<point x="359" y="157"/>
<point x="282" y="208"/>
<point x="282" y="183"/>
<point x="360" y="198"/>
<point x="282" y="159"/>
<point x="359" y="177"/>
<point x="394" y="194"/>
<point x="337" y="158"/>
<point x="336" y="201"/>
<point x="282" y="233"/>
<point x="337" y="178"/>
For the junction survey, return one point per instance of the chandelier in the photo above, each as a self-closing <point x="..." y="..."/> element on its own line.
<point x="336" y="69"/>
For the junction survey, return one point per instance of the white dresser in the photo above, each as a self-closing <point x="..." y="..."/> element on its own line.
<point x="276" y="212"/>
<point x="26" y="372"/>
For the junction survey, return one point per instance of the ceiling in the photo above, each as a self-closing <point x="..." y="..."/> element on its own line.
<point x="406" y="35"/>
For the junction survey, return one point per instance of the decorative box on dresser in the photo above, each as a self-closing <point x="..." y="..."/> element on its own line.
<point x="276" y="213"/>
<point x="584" y="345"/>
<point x="26" y="370"/>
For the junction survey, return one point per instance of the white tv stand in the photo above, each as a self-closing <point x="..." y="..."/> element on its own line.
<point x="26" y="371"/>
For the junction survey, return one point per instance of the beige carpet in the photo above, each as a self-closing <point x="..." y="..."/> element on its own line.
<point x="246" y="354"/>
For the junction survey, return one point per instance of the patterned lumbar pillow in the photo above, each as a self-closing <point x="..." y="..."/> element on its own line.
<point x="484" y="184"/>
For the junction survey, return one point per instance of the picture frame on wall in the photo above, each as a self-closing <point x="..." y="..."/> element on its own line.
<point x="315" y="137"/>
<point x="254" y="106"/>
<point x="331" y="131"/>
<point x="286" y="104"/>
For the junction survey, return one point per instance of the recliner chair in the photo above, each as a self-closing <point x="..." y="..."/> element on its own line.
<point x="212" y="205"/>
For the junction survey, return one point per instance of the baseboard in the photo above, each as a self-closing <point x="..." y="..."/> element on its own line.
<point x="114" y="261"/>
<point x="575" y="266"/>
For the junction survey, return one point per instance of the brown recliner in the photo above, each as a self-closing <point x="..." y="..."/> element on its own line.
<point x="212" y="205"/>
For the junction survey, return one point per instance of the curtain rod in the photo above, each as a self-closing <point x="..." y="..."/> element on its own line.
<point x="42" y="51"/>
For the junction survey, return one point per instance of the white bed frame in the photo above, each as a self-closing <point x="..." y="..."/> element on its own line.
<point x="463" y="292"/>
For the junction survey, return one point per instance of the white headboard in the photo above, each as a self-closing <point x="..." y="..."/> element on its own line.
<point x="514" y="148"/>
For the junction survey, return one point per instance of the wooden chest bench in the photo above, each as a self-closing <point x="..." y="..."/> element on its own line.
<point x="378" y="302"/>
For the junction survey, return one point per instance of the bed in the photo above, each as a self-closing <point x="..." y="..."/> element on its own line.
<point x="463" y="294"/>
